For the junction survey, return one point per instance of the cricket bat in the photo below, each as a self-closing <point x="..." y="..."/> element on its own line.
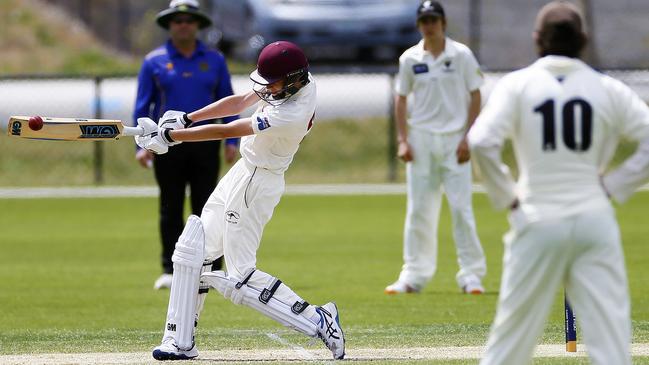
<point x="69" y="129"/>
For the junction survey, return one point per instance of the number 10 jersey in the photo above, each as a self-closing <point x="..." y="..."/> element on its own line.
<point x="565" y="121"/>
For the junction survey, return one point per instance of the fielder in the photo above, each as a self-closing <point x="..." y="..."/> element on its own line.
<point x="234" y="217"/>
<point x="444" y="80"/>
<point x="565" y="120"/>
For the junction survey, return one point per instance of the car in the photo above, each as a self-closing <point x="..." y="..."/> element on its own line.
<point x="366" y="30"/>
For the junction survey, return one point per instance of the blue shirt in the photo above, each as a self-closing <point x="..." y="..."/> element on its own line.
<point x="170" y="81"/>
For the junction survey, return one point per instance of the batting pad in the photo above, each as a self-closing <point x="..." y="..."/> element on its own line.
<point x="203" y="289"/>
<point x="183" y="299"/>
<point x="275" y="300"/>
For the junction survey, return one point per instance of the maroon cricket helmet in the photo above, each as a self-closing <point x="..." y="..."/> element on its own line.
<point x="277" y="61"/>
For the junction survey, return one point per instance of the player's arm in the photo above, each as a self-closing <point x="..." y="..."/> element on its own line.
<point x="400" y="111"/>
<point x="146" y="94"/>
<point x="632" y="174"/>
<point x="622" y="182"/>
<point x="486" y="138"/>
<point x="463" y="153"/>
<point x="403" y="86"/>
<point x="230" y="105"/>
<point x="474" y="109"/>
<point x="158" y="139"/>
<point x="238" y="128"/>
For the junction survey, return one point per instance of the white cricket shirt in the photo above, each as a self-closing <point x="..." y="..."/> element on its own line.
<point x="440" y="86"/>
<point x="565" y="120"/>
<point x="279" y="130"/>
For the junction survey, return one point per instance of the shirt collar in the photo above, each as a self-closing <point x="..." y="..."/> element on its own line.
<point x="559" y="64"/>
<point x="449" y="49"/>
<point x="173" y="51"/>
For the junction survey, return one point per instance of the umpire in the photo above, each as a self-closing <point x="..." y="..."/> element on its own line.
<point x="184" y="75"/>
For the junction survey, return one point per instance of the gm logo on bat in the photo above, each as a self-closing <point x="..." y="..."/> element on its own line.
<point x="16" y="127"/>
<point x="99" y="131"/>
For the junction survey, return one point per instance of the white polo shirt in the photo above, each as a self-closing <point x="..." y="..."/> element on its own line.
<point x="565" y="121"/>
<point x="279" y="130"/>
<point x="440" y="86"/>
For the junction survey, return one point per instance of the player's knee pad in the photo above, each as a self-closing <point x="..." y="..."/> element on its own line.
<point x="183" y="298"/>
<point x="273" y="299"/>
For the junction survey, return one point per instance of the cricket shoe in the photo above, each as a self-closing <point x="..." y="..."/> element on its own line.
<point x="164" y="281"/>
<point x="329" y="330"/>
<point x="169" y="351"/>
<point x="399" y="287"/>
<point x="472" y="285"/>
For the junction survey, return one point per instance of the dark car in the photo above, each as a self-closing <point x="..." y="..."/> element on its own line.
<point x="326" y="29"/>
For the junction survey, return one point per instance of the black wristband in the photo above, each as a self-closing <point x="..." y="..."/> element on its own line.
<point x="187" y="120"/>
<point x="166" y="136"/>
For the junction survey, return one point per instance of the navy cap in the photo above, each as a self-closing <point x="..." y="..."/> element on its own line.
<point x="430" y="8"/>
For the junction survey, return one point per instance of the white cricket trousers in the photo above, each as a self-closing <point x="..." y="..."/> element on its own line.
<point x="236" y="213"/>
<point x="582" y="253"/>
<point x="435" y="166"/>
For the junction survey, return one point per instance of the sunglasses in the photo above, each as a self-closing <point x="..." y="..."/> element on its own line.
<point x="184" y="19"/>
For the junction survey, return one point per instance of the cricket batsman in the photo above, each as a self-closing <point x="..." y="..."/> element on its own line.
<point x="565" y="121"/>
<point x="233" y="219"/>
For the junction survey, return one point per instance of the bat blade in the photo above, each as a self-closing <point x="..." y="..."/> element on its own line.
<point x="70" y="129"/>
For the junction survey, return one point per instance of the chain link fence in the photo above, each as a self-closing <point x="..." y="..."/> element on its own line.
<point x="352" y="142"/>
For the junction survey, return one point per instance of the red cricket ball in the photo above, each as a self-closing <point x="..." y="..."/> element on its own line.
<point x="35" y="123"/>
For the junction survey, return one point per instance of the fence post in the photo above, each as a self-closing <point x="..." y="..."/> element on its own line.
<point x="475" y="27"/>
<point x="98" y="161"/>
<point x="392" y="135"/>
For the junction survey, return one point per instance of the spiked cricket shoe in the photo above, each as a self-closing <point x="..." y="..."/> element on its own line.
<point x="164" y="281"/>
<point x="399" y="287"/>
<point x="472" y="285"/>
<point x="169" y="351"/>
<point x="329" y="330"/>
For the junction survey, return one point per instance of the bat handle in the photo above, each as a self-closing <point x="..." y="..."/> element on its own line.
<point x="132" y="131"/>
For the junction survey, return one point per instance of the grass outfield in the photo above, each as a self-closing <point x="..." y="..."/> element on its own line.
<point x="77" y="276"/>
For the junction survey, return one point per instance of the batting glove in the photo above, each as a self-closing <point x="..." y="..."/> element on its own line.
<point x="151" y="140"/>
<point x="148" y="125"/>
<point x="164" y="135"/>
<point x="174" y="119"/>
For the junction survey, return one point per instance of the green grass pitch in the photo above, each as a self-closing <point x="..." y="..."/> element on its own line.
<point x="76" y="275"/>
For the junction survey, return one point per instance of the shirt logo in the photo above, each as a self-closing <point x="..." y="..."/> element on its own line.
<point x="204" y="66"/>
<point x="420" y="68"/>
<point x="170" y="66"/>
<point x="447" y="66"/>
<point x="262" y="123"/>
<point x="232" y="217"/>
